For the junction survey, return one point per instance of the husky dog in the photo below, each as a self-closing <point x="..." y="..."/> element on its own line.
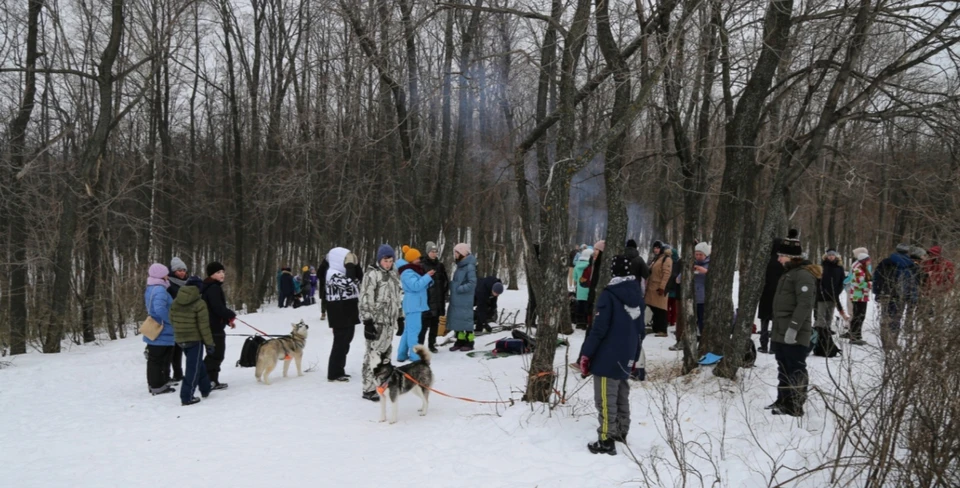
<point x="394" y="382"/>
<point x="286" y="347"/>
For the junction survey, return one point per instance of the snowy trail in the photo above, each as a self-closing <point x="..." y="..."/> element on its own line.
<point x="84" y="418"/>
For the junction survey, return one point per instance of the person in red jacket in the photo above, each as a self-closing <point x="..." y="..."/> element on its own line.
<point x="939" y="271"/>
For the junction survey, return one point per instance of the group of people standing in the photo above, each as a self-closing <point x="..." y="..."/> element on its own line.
<point x="300" y="290"/>
<point x="194" y="315"/>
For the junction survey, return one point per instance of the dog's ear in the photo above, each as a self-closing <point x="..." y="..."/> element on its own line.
<point x="385" y="361"/>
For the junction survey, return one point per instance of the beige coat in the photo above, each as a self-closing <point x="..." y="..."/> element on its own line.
<point x="659" y="276"/>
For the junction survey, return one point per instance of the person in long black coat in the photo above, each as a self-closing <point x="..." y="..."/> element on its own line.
<point x="765" y="309"/>
<point x="286" y="287"/>
<point x="436" y="296"/>
<point x="220" y="317"/>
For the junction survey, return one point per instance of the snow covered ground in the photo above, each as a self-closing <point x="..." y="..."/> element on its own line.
<point x="83" y="418"/>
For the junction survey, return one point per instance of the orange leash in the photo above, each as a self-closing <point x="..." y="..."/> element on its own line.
<point x="471" y="400"/>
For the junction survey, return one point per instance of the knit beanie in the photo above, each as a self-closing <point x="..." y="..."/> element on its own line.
<point x="432" y="246"/>
<point x="790" y="248"/>
<point x="497" y="288"/>
<point x="158" y="270"/>
<point x="176" y="264"/>
<point x="833" y="252"/>
<point x="631" y="243"/>
<point x="620" y="266"/>
<point x="384" y="251"/>
<point x="462" y="249"/>
<point x="860" y="250"/>
<point x="600" y="246"/>
<point x="213" y="268"/>
<point x="410" y="254"/>
<point x="703" y="247"/>
<point x="903" y="248"/>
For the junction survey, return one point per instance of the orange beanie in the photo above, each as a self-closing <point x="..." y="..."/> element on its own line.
<point x="410" y="254"/>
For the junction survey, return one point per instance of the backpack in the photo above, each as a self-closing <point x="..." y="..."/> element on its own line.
<point x="248" y="355"/>
<point x="528" y="341"/>
<point x="825" y="346"/>
<point x="510" y="345"/>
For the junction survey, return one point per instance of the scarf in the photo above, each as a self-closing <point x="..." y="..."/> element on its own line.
<point x="158" y="281"/>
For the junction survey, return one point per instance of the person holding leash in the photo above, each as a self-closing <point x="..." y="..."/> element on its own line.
<point x="380" y="305"/>
<point x="220" y="317"/>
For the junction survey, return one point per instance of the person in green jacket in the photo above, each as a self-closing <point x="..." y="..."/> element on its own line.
<point x="191" y="330"/>
<point x="793" y="305"/>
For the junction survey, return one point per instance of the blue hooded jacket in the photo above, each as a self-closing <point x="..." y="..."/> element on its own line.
<point x="415" y="286"/>
<point x="158" y="303"/>
<point x="613" y="344"/>
<point x="895" y="278"/>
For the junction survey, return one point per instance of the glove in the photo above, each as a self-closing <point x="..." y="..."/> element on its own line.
<point x="584" y="366"/>
<point x="791" y="336"/>
<point x="230" y="323"/>
<point x="369" y="330"/>
<point x="400" y="324"/>
<point x="210" y="349"/>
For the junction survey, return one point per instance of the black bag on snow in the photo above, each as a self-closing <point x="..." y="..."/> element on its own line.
<point x="248" y="355"/>
<point x="529" y="342"/>
<point x="825" y="346"/>
<point x="750" y="354"/>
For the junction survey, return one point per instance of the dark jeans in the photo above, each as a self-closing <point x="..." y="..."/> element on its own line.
<point x="432" y="323"/>
<point x="791" y="376"/>
<point x="699" y="319"/>
<point x="158" y="367"/>
<point x="856" y="323"/>
<point x="764" y="333"/>
<point x="342" y="336"/>
<point x="659" y="320"/>
<point x="176" y="362"/>
<point x="286" y="301"/>
<point x="214" y="360"/>
<point x="196" y="374"/>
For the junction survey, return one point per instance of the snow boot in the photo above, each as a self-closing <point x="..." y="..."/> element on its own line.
<point x="456" y="346"/>
<point x="216" y="385"/>
<point x="783" y="410"/>
<point x="763" y="349"/>
<point x="433" y="348"/>
<point x="676" y="347"/>
<point x="603" y="447"/>
<point x="192" y="401"/>
<point x="373" y="396"/>
<point x="342" y="379"/>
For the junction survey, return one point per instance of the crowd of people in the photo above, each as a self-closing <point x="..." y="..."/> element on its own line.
<point x="411" y="295"/>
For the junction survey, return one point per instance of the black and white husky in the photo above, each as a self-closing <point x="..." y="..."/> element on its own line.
<point x="395" y="381"/>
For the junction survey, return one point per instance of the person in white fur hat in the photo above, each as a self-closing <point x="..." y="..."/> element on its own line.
<point x="859" y="284"/>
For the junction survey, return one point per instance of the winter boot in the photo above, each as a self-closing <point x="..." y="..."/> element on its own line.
<point x="433" y="348"/>
<point x="192" y="401"/>
<point x="216" y="385"/>
<point x="603" y="447"/>
<point x="858" y="342"/>
<point x="373" y="396"/>
<point x="168" y="389"/>
<point x="468" y="343"/>
<point x="676" y="347"/>
<point x="763" y="350"/>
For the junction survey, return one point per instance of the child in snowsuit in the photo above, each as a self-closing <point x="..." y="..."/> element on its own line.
<point x="610" y="352"/>
<point x="415" y="283"/>
<point x="380" y="301"/>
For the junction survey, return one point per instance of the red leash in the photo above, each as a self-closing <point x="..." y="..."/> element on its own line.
<point x="252" y="327"/>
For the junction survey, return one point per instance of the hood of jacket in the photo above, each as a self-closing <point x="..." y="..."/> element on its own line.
<point x="627" y="291"/>
<point x="335" y="258"/>
<point x="469" y="259"/>
<point x="814" y="269"/>
<point x="826" y="263"/>
<point x="901" y="260"/>
<point x="187" y="296"/>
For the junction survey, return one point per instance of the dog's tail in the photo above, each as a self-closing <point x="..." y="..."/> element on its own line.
<point x="423" y="352"/>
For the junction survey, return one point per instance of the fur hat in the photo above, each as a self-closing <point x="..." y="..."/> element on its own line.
<point x="863" y="256"/>
<point x="790" y="248"/>
<point x="860" y="250"/>
<point x="703" y="247"/>
<point x="384" y="251"/>
<point x="497" y="288"/>
<point x="620" y="266"/>
<point x="213" y="268"/>
<point x="431" y="246"/>
<point x="462" y="249"/>
<point x="410" y="254"/>
<point x="176" y="264"/>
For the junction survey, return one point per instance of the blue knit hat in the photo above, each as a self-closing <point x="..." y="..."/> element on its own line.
<point x="385" y="251"/>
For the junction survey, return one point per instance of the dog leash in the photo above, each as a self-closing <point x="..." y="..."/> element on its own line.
<point x="471" y="400"/>
<point x="252" y="327"/>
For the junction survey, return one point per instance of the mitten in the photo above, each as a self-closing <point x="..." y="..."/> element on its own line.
<point x="584" y="366"/>
<point x="369" y="330"/>
<point x="791" y="336"/>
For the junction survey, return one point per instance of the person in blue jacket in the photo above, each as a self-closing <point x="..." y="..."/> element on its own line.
<point x="159" y="350"/>
<point x="610" y="351"/>
<point x="463" y="287"/>
<point x="894" y="284"/>
<point x="415" y="283"/>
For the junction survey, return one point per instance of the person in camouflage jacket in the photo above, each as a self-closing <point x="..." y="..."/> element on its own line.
<point x="380" y="300"/>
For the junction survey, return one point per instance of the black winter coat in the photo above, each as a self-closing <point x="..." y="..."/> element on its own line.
<point x="638" y="267"/>
<point x="212" y="292"/>
<point x="830" y="284"/>
<point x="774" y="271"/>
<point x="484" y="302"/>
<point x="437" y="293"/>
<point x="286" y="284"/>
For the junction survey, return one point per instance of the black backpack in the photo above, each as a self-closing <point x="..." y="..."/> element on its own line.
<point x="248" y="355"/>
<point x="825" y="346"/>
